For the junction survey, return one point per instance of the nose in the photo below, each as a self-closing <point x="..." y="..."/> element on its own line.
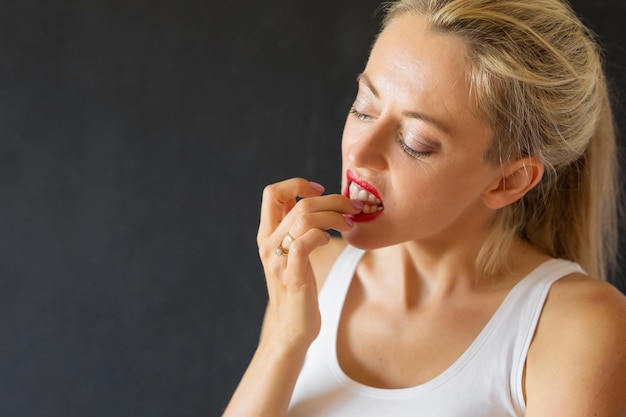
<point x="368" y="144"/>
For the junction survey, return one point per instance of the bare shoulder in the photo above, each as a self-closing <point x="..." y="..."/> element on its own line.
<point x="585" y="300"/>
<point x="576" y="365"/>
<point x="323" y="258"/>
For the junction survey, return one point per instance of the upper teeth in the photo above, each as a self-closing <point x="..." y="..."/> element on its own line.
<point x="372" y="204"/>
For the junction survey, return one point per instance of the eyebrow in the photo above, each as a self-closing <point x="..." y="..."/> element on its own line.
<point x="363" y="78"/>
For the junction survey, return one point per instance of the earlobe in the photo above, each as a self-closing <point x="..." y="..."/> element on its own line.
<point x="518" y="177"/>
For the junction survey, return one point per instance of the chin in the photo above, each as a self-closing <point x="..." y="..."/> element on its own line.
<point x="365" y="241"/>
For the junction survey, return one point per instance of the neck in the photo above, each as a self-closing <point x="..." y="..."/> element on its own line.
<point x="412" y="274"/>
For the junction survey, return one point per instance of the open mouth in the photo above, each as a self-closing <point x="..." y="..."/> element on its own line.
<point x="361" y="190"/>
<point x="372" y="204"/>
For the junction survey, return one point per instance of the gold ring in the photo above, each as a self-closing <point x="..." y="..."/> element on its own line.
<point x="279" y="251"/>
<point x="282" y="250"/>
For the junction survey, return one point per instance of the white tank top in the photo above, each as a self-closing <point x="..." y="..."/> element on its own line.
<point x="485" y="381"/>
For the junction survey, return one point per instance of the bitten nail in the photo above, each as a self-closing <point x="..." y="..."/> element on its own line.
<point x="357" y="204"/>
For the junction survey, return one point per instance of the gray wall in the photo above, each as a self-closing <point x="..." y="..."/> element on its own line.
<point x="136" y="137"/>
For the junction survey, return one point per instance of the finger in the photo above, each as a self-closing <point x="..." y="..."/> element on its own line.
<point x="322" y="220"/>
<point x="276" y="264"/>
<point x="298" y="257"/>
<point x="331" y="202"/>
<point x="333" y="209"/>
<point x="279" y="199"/>
<point x="306" y="216"/>
<point x="287" y="241"/>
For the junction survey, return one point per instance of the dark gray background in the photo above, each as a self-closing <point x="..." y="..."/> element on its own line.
<point x="136" y="138"/>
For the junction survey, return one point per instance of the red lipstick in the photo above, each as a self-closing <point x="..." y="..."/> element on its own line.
<point x="361" y="183"/>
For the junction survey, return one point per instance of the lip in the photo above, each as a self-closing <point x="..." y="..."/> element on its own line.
<point x="362" y="217"/>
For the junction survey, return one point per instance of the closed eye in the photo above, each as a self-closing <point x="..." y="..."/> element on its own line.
<point x="413" y="152"/>
<point x="359" y="115"/>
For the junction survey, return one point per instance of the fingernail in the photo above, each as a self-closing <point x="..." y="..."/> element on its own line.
<point x="316" y="186"/>
<point x="357" y="204"/>
<point x="349" y="221"/>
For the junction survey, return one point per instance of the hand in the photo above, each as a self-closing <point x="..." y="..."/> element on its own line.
<point x="292" y="318"/>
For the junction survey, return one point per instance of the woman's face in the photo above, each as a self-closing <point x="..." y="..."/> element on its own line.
<point x="412" y="144"/>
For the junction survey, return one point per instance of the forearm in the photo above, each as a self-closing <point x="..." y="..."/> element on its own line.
<point x="266" y="387"/>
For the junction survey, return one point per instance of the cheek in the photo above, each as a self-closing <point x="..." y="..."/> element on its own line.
<point x="438" y="193"/>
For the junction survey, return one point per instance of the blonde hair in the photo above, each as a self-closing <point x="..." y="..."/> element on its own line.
<point x="536" y="78"/>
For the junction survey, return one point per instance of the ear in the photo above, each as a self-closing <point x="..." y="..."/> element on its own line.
<point x="518" y="177"/>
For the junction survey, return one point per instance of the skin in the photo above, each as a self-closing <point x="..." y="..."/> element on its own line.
<point x="417" y="283"/>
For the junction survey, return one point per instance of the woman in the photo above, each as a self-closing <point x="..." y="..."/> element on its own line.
<point x="480" y="185"/>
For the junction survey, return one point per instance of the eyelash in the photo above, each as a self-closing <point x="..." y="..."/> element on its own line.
<point x="412" y="152"/>
<point x="358" y="115"/>
<point x="408" y="150"/>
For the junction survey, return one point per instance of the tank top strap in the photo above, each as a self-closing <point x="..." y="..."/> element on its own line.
<point x="332" y="295"/>
<point x="524" y="305"/>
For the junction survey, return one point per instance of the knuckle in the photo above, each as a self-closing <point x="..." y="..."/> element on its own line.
<point x="304" y="222"/>
<point x="320" y="234"/>
<point x="305" y="205"/>
<point x="297" y="249"/>
<point x="269" y="190"/>
<point x="265" y="250"/>
<point x="273" y="269"/>
<point x="260" y="238"/>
